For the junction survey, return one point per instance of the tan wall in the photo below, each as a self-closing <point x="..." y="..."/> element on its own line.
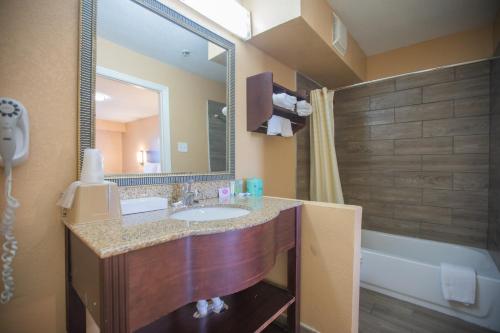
<point x="110" y="143"/>
<point x="331" y="245"/>
<point x="188" y="110"/>
<point x="40" y="57"/>
<point x="319" y="15"/>
<point x="38" y="66"/>
<point x="142" y="134"/>
<point x="460" y="47"/>
<point x="278" y="18"/>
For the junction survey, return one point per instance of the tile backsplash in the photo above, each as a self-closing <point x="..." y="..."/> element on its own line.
<point x="207" y="190"/>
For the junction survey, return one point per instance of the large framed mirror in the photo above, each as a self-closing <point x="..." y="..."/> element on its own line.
<point x="156" y="94"/>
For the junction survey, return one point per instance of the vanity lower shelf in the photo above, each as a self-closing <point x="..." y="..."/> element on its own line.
<point x="251" y="310"/>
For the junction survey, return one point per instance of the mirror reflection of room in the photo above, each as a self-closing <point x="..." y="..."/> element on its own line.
<point x="160" y="95"/>
<point x="127" y="126"/>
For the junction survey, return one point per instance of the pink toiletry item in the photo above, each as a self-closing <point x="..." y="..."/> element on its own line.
<point x="224" y="193"/>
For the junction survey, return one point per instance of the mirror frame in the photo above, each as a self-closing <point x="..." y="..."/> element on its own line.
<point x="86" y="88"/>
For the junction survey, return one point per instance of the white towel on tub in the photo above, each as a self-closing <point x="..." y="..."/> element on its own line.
<point x="458" y="283"/>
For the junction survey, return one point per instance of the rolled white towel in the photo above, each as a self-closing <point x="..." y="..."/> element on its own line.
<point x="458" y="283"/>
<point x="290" y="99"/>
<point x="285" y="101"/>
<point x="303" y="108"/>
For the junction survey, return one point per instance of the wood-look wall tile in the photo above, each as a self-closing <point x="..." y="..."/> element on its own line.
<point x="456" y="126"/>
<point x="369" y="89"/>
<point x="395" y="99"/>
<point x="453" y="234"/>
<point x="423" y="213"/>
<point x="357" y="192"/>
<point x="356" y="162"/>
<point x="374" y="208"/>
<point x="375" y="147"/>
<point x="367" y="178"/>
<point x="472" y="70"/>
<point x="352" y="134"/>
<point x="425" y="78"/>
<point x="437" y="145"/>
<point x="397" y="131"/>
<point x="437" y="180"/>
<point x="410" y="196"/>
<point x="390" y="225"/>
<point x="429" y="111"/>
<point x="456" y="163"/>
<point x="396" y="163"/>
<point x="457" y="89"/>
<point x="427" y="168"/>
<point x="354" y="105"/>
<point x="470" y="181"/>
<point x="356" y="119"/>
<point x="474" y="106"/>
<point x="471" y="144"/>
<point x="455" y="199"/>
<point x="472" y="219"/>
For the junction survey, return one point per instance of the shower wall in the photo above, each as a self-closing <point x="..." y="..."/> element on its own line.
<point x="414" y="152"/>
<point x="494" y="192"/>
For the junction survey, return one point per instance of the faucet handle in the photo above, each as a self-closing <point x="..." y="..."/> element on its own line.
<point x="186" y="187"/>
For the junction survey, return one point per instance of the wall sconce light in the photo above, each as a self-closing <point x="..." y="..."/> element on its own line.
<point x="141" y="157"/>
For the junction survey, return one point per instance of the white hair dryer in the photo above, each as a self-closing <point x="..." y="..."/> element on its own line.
<point x="14" y="148"/>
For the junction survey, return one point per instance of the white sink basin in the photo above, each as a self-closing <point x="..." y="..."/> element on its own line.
<point x="209" y="213"/>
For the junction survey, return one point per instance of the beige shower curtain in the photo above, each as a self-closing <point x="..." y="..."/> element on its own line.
<point x="325" y="179"/>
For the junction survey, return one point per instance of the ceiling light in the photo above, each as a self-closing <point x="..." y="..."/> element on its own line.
<point x="100" y="97"/>
<point x="229" y="14"/>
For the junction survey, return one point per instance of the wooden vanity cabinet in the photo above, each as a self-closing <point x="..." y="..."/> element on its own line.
<point x="153" y="289"/>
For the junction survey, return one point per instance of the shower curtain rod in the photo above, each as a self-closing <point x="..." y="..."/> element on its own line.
<point x="415" y="72"/>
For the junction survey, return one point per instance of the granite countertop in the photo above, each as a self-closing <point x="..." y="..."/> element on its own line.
<point x="136" y="231"/>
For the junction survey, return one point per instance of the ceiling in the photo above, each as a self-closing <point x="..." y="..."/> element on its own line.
<point x="382" y="25"/>
<point x="127" y="102"/>
<point x="132" y="26"/>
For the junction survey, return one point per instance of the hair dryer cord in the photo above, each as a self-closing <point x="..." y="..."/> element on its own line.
<point x="10" y="243"/>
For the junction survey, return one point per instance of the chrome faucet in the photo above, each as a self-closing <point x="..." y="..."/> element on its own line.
<point x="188" y="195"/>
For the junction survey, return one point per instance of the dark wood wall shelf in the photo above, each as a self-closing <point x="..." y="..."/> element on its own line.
<point x="260" y="107"/>
<point x="153" y="289"/>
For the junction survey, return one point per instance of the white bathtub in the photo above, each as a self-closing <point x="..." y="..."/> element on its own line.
<point x="408" y="269"/>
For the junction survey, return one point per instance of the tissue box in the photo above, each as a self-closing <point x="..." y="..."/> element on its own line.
<point x="95" y="202"/>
